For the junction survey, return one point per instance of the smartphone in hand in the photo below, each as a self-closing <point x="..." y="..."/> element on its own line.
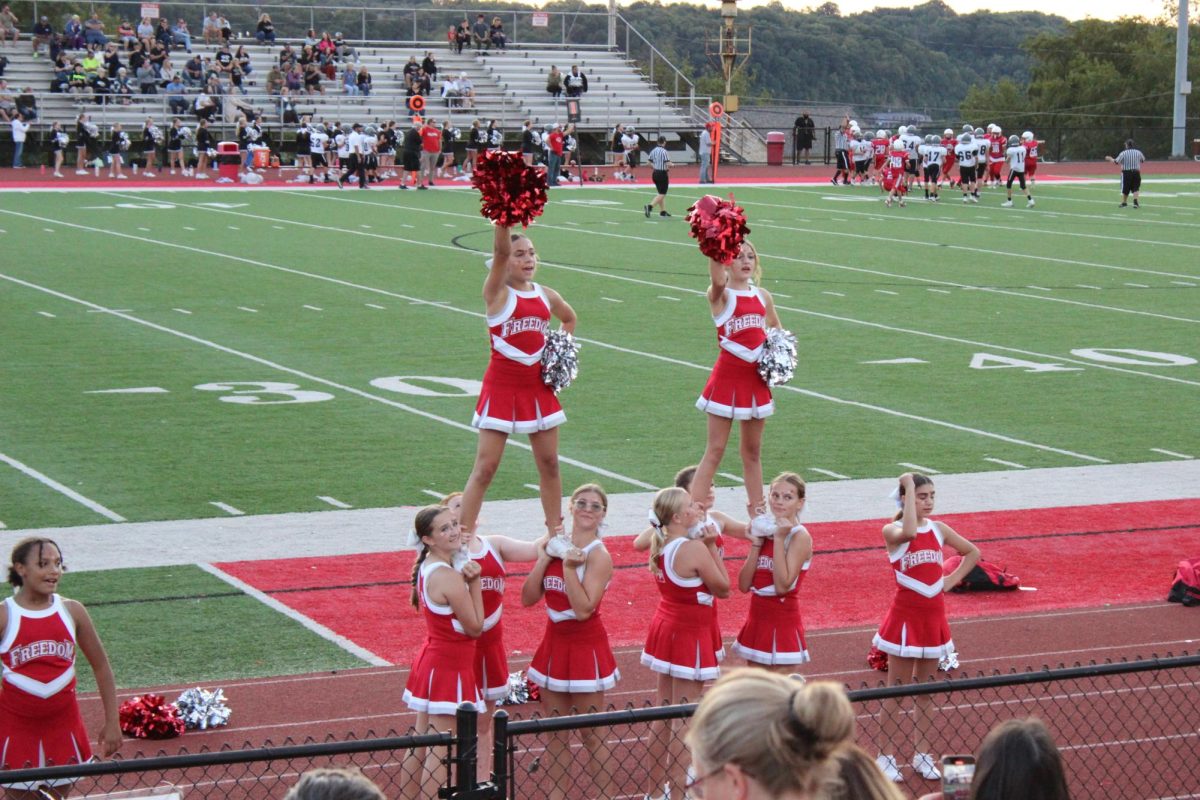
<point x="957" y="774"/>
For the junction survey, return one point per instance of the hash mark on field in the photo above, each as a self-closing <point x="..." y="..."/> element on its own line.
<point x="314" y="308"/>
<point x="919" y="468"/>
<point x="405" y="225"/>
<point x="333" y="501"/>
<point x="665" y="297"/>
<point x="1087" y="286"/>
<point x="569" y="222"/>
<point x="835" y="294"/>
<point x="939" y="291"/>
<point x="375" y="305"/>
<point x="731" y="476"/>
<point x="182" y="311"/>
<point x="47" y="314"/>
<point x="1170" y="453"/>
<point x="247" y="308"/>
<point x="365" y="227"/>
<point x="46" y="480"/>
<point x="228" y="509"/>
<point x="109" y="310"/>
<point x="886" y="291"/>
<point x="48" y="230"/>
<point x="278" y="227"/>
<point x="234" y="228"/>
<point x="1138" y="285"/>
<point x="609" y="222"/>
<point x="830" y="473"/>
<point x="533" y="486"/>
<point x="147" y="230"/>
<point x="432" y="493"/>
<point x="132" y="390"/>
<point x="449" y="225"/>
<point x="1012" y="464"/>
<point x="1183" y="283"/>
<point x="190" y="228"/>
<point x="1038" y="288"/>
<point x="612" y="299"/>
<point x="781" y="294"/>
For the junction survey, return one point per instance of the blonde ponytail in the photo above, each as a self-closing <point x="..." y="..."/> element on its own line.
<point x="667" y="503"/>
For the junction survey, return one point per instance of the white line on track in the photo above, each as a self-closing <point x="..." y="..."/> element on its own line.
<point x="228" y="509"/>
<point x="47" y="314"/>
<point x="706" y="368"/>
<point x="324" y="381"/>
<point x="314" y="308"/>
<point x="1001" y="461"/>
<point x="182" y="311"/>
<point x="918" y="468"/>
<point x="731" y="477"/>
<point x="66" y="491"/>
<point x="830" y="473"/>
<point x="247" y="308"/>
<point x="639" y="281"/>
<point x="1170" y="453"/>
<point x="312" y="625"/>
<point x="376" y="305"/>
<point x="333" y="501"/>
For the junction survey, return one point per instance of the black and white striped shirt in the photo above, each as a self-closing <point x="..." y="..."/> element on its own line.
<point x="1130" y="159"/>
<point x="659" y="158"/>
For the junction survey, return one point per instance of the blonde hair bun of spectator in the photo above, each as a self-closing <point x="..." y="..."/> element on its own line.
<point x="780" y="732"/>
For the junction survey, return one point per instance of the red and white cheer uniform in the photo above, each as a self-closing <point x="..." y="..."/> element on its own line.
<point x="574" y="655"/>
<point x="773" y="633"/>
<point x="915" y="625"/>
<point x="40" y="725"/>
<point x="680" y="640"/>
<point x="443" y="673"/>
<point x="513" y="398"/>
<point x="735" y="390"/>
<point x="491" y="659"/>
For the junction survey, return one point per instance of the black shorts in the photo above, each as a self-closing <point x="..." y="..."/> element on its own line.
<point x="633" y="158"/>
<point x="662" y="180"/>
<point x="843" y="160"/>
<point x="1016" y="176"/>
<point x="966" y="174"/>
<point x="411" y="161"/>
<point x="981" y="170"/>
<point x="1131" y="180"/>
<point x="910" y="166"/>
<point x="318" y="159"/>
<point x="932" y="172"/>
<point x="860" y="167"/>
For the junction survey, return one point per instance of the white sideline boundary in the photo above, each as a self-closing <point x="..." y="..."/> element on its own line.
<point x="331" y="533"/>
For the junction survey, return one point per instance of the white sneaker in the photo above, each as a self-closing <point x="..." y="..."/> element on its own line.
<point x="1006" y="204"/>
<point x="925" y="767"/>
<point x="974" y="199"/>
<point x="122" y="177"/>
<point x="148" y="174"/>
<point x="172" y="172"/>
<point x="890" y="769"/>
<point x="201" y="175"/>
<point x="58" y="174"/>
<point x="81" y="172"/>
<point x="966" y="199"/>
<point x="1030" y="204"/>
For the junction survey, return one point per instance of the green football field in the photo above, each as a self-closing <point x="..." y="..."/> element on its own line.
<point x="175" y="355"/>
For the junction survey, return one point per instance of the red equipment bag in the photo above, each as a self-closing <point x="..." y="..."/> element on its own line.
<point x="1186" y="588"/>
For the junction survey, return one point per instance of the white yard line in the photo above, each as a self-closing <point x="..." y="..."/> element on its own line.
<point x="182" y="311"/>
<point x="1002" y="462"/>
<point x="839" y="476"/>
<point x="432" y="493"/>
<point x="47" y="314"/>
<point x="314" y="308"/>
<point x="66" y="491"/>
<point x="248" y="309"/>
<point x="316" y="379"/>
<point x="919" y="468"/>
<point x="729" y="476"/>
<point x="376" y="306"/>
<point x="314" y="626"/>
<point x="228" y="509"/>
<point x="333" y="501"/>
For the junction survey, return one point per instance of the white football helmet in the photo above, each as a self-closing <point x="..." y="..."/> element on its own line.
<point x="948" y="132"/>
<point x="881" y="134"/>
<point x="1027" y="136"/>
<point x="902" y="130"/>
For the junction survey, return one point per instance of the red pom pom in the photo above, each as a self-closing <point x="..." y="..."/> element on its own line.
<point x="877" y="659"/>
<point x="719" y="225"/>
<point x="511" y="191"/>
<point x="150" y="717"/>
<point x="535" y="691"/>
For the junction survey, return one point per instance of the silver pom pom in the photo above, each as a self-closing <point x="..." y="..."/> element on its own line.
<point x="519" y="691"/>
<point x="202" y="709"/>
<point x="948" y="662"/>
<point x="560" y="360"/>
<point x="777" y="364"/>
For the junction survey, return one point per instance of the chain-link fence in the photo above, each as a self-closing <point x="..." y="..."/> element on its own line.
<point x="1125" y="730"/>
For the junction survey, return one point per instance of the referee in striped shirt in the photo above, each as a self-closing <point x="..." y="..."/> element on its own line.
<point x="660" y="162"/>
<point x="1130" y="160"/>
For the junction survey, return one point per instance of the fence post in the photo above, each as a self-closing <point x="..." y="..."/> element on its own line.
<point x="500" y="771"/>
<point x="466" y="746"/>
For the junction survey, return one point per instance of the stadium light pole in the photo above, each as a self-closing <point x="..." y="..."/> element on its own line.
<point x="1183" y="87"/>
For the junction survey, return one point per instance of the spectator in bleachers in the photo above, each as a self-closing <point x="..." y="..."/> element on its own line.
<point x="481" y="34"/>
<point x="274" y="80"/>
<point x="554" y="82"/>
<point x="163" y="33"/>
<point x="312" y="79"/>
<point x="334" y="784"/>
<point x="145" y="29"/>
<point x="8" y="24"/>
<point x="182" y="35"/>
<point x="308" y="55"/>
<point x="294" y="79"/>
<point x="127" y="34"/>
<point x="1018" y="760"/>
<point x="463" y="35"/>
<point x="90" y="61"/>
<point x="421" y="84"/>
<point x="287" y="57"/>
<point x="264" y="32"/>
<point x="211" y="28"/>
<point x="43" y="32"/>
<point x="576" y="82"/>
<point x="311" y="39"/>
<point x="364" y="82"/>
<point x="224" y="60"/>
<point x="122" y="85"/>
<point x="137" y="56"/>
<point x="175" y="99"/>
<point x="157" y="57"/>
<point x="242" y="58"/>
<point x="167" y="72"/>
<point x="193" y="71"/>
<point x="73" y="33"/>
<point x="450" y="92"/>
<point x="452" y="37"/>
<point x="27" y="105"/>
<point x="225" y="28"/>
<point x="99" y="86"/>
<point x="350" y="80"/>
<point x="62" y="74"/>
<point x="326" y="49"/>
<point x="497" y="35"/>
<point x="78" y="80"/>
<point x="237" y="80"/>
<point x="429" y="64"/>
<point x="147" y="79"/>
<point x="411" y="67"/>
<point x="343" y="49"/>
<point x="112" y="58"/>
<point x="466" y="92"/>
<point x="8" y="105"/>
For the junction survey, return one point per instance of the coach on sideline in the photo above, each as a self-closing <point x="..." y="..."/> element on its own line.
<point x="1130" y="160"/>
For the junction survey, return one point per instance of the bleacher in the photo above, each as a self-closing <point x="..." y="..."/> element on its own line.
<point x="510" y="87"/>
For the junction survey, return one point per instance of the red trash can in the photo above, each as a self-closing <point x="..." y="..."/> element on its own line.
<point x="775" y="141"/>
<point x="228" y="160"/>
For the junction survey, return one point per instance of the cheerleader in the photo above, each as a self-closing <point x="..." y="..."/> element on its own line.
<point x="117" y="147"/>
<point x="58" y="146"/>
<point x="40" y="724"/>
<point x="780" y="554"/>
<point x="151" y="136"/>
<point x="85" y="136"/>
<point x="915" y="634"/>
<point x="742" y="313"/>
<point x="513" y="398"/>
<point x="204" y="147"/>
<point x="303" y="161"/>
<point x="574" y="664"/>
<point x="679" y="645"/>
<point x="175" y="136"/>
<point x="616" y="149"/>
<point x="442" y="674"/>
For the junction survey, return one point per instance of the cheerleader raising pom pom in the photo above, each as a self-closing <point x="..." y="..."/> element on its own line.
<point x="777" y="364"/>
<point x="719" y="226"/>
<point x="511" y="192"/>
